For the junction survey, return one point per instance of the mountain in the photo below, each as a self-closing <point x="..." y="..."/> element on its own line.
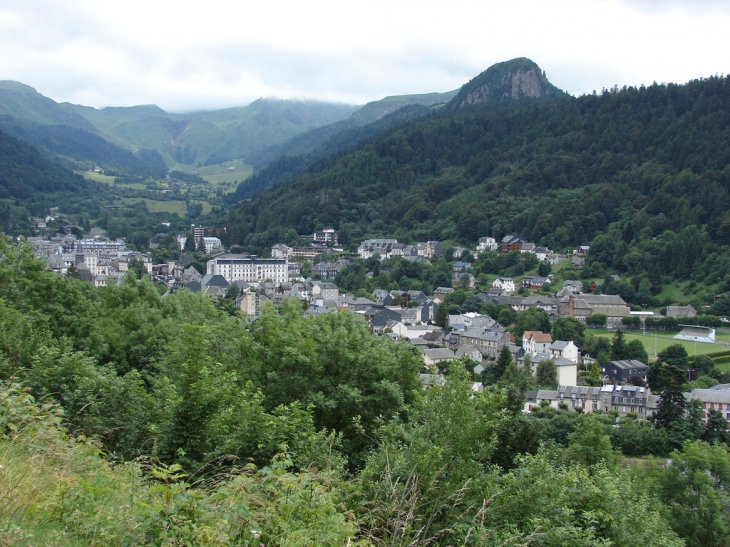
<point x="627" y="171"/>
<point x="181" y="139"/>
<point x="30" y="183"/>
<point x="291" y="157"/>
<point x="516" y="79"/>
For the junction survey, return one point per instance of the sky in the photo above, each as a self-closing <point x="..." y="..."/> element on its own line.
<point x="203" y="55"/>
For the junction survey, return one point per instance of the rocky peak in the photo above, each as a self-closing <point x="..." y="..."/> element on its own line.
<point x="516" y="79"/>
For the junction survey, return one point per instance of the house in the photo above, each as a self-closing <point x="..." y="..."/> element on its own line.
<point x="486" y="244"/>
<point x="536" y="342"/>
<point x="621" y="371"/>
<point x="622" y="399"/>
<point x="578" y="263"/>
<point x="507" y="284"/>
<point x="472" y="352"/>
<point x="569" y="350"/>
<point x="212" y="244"/>
<point x="534" y="283"/>
<point x="280" y="251"/>
<point x="432" y="357"/>
<point x="584" y="305"/>
<point x="439" y="295"/>
<point x="541" y="253"/>
<point x="575" y="286"/>
<point x="713" y="399"/>
<point x="527" y="247"/>
<point x="681" y="311"/>
<point x="583" y="250"/>
<point x="625" y="399"/>
<point x="465" y="280"/>
<point x="512" y="242"/>
<point x="432" y="249"/>
<point x="489" y="343"/>
<point x="321" y="290"/>
<point x="378" y="317"/>
<point x="460" y="267"/>
<point x="382" y="247"/>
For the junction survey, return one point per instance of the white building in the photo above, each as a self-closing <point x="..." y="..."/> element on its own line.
<point x="487" y="244"/>
<point x="211" y="244"/>
<point x="507" y="284"/>
<point x="249" y="268"/>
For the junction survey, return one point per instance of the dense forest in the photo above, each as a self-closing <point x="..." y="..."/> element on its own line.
<point x="641" y="174"/>
<point x="127" y="417"/>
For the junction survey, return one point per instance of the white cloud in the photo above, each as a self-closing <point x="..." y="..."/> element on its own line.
<point x="190" y="55"/>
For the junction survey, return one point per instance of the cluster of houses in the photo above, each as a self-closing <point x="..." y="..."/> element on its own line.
<point x="96" y="260"/>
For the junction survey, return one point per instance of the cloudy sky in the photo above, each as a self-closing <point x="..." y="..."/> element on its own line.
<point x="187" y="55"/>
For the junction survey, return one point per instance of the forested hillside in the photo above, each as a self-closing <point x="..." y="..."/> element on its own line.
<point x="30" y="183"/>
<point x="618" y="169"/>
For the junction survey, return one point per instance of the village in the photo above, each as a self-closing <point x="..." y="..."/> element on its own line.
<point x="408" y="317"/>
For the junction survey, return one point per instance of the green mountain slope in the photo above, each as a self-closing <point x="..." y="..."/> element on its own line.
<point x="181" y="139"/>
<point x="80" y="150"/>
<point x="562" y="172"/>
<point x="308" y="141"/>
<point x="23" y="102"/>
<point x="341" y="138"/>
<point x="30" y="183"/>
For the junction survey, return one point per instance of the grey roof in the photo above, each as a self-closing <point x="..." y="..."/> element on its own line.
<point x="711" y="395"/>
<point x="439" y="353"/>
<point x="210" y="280"/>
<point x="559" y="345"/>
<point x="628" y="364"/>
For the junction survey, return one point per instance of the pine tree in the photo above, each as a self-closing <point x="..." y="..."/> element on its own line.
<point x="619" y="348"/>
<point x="672" y="404"/>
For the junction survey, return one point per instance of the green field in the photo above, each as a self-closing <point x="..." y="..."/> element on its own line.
<point x="662" y="341"/>
<point x="216" y="174"/>
<point x="96" y="177"/>
<point x="155" y="206"/>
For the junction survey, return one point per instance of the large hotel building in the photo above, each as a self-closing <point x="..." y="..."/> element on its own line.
<point x="249" y="268"/>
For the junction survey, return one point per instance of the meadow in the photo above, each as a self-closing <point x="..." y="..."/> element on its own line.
<point x="160" y="206"/>
<point x="655" y="343"/>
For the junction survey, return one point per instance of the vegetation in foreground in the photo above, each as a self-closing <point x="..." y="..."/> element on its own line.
<point x="128" y="418"/>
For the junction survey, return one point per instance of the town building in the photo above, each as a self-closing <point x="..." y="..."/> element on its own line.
<point x="249" y="268"/>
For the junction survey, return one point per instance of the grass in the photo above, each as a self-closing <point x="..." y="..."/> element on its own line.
<point x="217" y="174"/>
<point x="661" y="342"/>
<point x="160" y="206"/>
<point x="96" y="177"/>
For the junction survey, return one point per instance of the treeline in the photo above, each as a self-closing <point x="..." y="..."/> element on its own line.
<point x="189" y="425"/>
<point x="639" y="173"/>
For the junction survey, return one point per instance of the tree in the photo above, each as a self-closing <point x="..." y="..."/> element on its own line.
<point x="635" y="350"/>
<point x="674" y="355"/>
<point x="137" y="266"/>
<point x="494" y="373"/>
<point x="569" y="328"/>
<point x="694" y="487"/>
<point x="589" y="445"/>
<point x="535" y="319"/>
<point x="619" y="349"/>
<point x="597" y="320"/>
<point x="715" y="430"/>
<point x="547" y="374"/>
<point x="544" y="269"/>
<point x="672" y="404"/>
<point x="189" y="246"/>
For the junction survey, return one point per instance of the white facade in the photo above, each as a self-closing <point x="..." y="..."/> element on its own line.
<point x="251" y="269"/>
<point x="507" y="284"/>
<point x="486" y="244"/>
<point x="212" y="243"/>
